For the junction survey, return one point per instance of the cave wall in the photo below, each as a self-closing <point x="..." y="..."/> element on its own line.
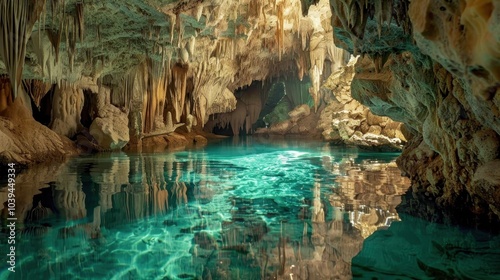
<point x="438" y="75"/>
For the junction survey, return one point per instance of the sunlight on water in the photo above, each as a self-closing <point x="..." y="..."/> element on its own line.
<point x="250" y="210"/>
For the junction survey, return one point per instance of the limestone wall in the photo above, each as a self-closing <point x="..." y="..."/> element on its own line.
<point x="445" y="90"/>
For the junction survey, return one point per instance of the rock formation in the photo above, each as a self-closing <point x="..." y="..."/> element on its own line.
<point x="444" y="88"/>
<point x="66" y="110"/>
<point x="17" y="144"/>
<point x="345" y="120"/>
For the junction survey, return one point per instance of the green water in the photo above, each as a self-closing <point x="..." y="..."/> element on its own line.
<point x="238" y="209"/>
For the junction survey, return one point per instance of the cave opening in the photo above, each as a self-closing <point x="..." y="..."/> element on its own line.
<point x="86" y="115"/>
<point x="262" y="104"/>
<point x="43" y="112"/>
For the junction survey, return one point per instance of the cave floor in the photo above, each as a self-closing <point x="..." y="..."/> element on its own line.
<point x="243" y="208"/>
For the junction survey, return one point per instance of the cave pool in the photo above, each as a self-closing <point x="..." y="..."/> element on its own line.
<point x="242" y="208"/>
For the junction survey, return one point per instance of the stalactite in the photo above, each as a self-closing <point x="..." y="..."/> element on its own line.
<point x="210" y="95"/>
<point x="14" y="17"/>
<point x="280" y="29"/>
<point x="161" y="80"/>
<point x="233" y="48"/>
<point x="172" y="21"/>
<point x="317" y="51"/>
<point x="79" y="19"/>
<point x="192" y="45"/>
<point x="302" y="64"/>
<point x="353" y="15"/>
<point x="98" y="33"/>
<point x="71" y="33"/>
<point x="38" y="43"/>
<point x="89" y="57"/>
<point x="36" y="89"/>
<point x="178" y="92"/>
<point x="198" y="12"/>
<point x="180" y="33"/>
<point x="55" y="39"/>
<point x="338" y="56"/>
<point x="54" y="5"/>
<point x="255" y="8"/>
<point x="252" y="99"/>
<point x="379" y="14"/>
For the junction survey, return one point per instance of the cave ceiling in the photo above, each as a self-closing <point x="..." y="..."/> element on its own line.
<point x="245" y="40"/>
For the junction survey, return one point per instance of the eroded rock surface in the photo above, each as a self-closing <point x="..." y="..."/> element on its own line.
<point x="345" y="120"/>
<point x="17" y="144"/>
<point x="110" y="127"/>
<point x="445" y="91"/>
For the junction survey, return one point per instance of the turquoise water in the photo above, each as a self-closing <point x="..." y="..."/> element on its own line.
<point x="238" y="209"/>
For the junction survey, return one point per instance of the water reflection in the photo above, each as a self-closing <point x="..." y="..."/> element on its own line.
<point x="246" y="211"/>
<point x="428" y="251"/>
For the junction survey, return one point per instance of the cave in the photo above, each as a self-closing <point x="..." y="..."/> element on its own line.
<point x="250" y="139"/>
<point x="86" y="115"/>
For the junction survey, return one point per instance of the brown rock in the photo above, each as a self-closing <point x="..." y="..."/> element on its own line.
<point x="375" y="129"/>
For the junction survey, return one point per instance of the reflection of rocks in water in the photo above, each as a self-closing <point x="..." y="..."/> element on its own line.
<point x="282" y="247"/>
<point x="369" y="192"/>
<point x="417" y="249"/>
<point x="29" y="184"/>
<point x="188" y="216"/>
<point x="205" y="240"/>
